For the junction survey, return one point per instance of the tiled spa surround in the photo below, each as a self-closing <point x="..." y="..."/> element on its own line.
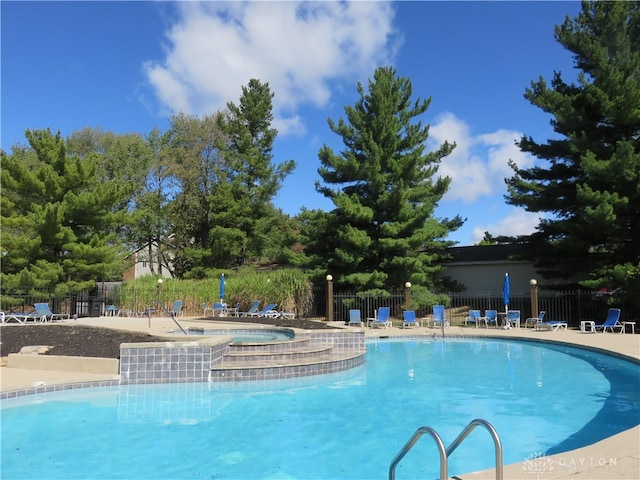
<point x="214" y="359"/>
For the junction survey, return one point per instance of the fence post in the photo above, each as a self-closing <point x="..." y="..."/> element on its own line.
<point x="534" y="297"/>
<point x="407" y="296"/>
<point x="329" y="298"/>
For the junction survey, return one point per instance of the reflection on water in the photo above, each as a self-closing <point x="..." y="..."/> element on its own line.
<point x="191" y="403"/>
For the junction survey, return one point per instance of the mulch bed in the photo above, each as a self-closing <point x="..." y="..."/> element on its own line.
<point x="86" y="341"/>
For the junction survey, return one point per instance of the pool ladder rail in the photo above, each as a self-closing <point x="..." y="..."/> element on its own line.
<point x="169" y="314"/>
<point x="445" y="453"/>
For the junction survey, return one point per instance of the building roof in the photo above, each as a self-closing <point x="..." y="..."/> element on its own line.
<point x="486" y="253"/>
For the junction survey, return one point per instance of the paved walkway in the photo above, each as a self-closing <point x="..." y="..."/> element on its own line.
<point x="617" y="457"/>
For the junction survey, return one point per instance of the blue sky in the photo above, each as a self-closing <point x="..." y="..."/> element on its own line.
<point x="126" y="66"/>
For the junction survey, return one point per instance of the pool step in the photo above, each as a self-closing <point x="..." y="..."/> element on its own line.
<point x="283" y="359"/>
<point x="300" y="341"/>
<point x="292" y="355"/>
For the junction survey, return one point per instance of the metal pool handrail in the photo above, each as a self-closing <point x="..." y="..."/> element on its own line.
<point x="446" y="453"/>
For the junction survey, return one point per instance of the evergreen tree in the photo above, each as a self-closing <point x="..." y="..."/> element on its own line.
<point x="224" y="183"/>
<point x="382" y="232"/>
<point x="58" y="222"/>
<point x="254" y="178"/>
<point x="588" y="179"/>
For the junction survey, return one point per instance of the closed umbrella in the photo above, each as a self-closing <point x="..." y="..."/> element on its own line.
<point x="222" y="288"/>
<point x="506" y="292"/>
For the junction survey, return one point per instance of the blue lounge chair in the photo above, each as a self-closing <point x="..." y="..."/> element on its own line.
<point x="612" y="322"/>
<point x="474" y="317"/>
<point x="22" y="317"/>
<point x="43" y="310"/>
<point x="409" y="319"/>
<point x="253" y="309"/>
<point x="551" y="325"/>
<point x="534" y="320"/>
<point x="355" y="318"/>
<point x="491" y="318"/>
<point x="268" y="311"/>
<point x="439" y="316"/>
<point x="382" y="318"/>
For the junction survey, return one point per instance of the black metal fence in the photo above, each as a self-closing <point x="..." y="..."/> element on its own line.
<point x="84" y="303"/>
<point x="572" y="306"/>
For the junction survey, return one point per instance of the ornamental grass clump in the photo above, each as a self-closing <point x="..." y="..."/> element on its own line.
<point x="289" y="289"/>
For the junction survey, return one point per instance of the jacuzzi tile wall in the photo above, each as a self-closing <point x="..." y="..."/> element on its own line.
<point x="169" y="362"/>
<point x="344" y="341"/>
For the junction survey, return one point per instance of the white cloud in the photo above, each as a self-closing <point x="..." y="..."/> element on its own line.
<point x="300" y="48"/>
<point x="517" y="222"/>
<point x="479" y="164"/>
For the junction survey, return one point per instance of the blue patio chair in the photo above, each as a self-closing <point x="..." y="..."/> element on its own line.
<point x="439" y="316"/>
<point x="409" y="319"/>
<point x="219" y="309"/>
<point x="513" y="319"/>
<point x="534" y="320"/>
<point x="491" y="318"/>
<point x="383" y="318"/>
<point x="176" y="308"/>
<point x="612" y="322"/>
<point x="474" y="317"/>
<point x="206" y="308"/>
<point x="355" y="318"/>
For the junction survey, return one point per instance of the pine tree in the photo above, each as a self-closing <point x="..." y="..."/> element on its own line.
<point x="255" y="179"/>
<point x="58" y="222"/>
<point x="588" y="179"/>
<point x="225" y="180"/>
<point x="382" y="232"/>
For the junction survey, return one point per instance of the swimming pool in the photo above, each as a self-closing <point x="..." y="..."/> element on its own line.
<point x="542" y="399"/>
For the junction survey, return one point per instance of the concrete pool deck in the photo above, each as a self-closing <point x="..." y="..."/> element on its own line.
<point x="615" y="457"/>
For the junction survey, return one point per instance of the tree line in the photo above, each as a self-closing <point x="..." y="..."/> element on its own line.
<point x="199" y="197"/>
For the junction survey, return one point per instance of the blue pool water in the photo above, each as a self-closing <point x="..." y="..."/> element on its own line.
<point x="247" y="335"/>
<point x="541" y="400"/>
